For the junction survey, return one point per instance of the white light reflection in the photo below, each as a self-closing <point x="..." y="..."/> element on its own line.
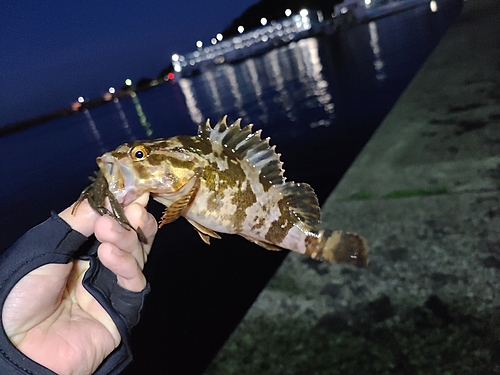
<point x="235" y="89"/>
<point x="94" y="130"/>
<point x="192" y="106"/>
<point x="378" y="63"/>
<point x="272" y="82"/>
<point x="316" y="81"/>
<point x="211" y="84"/>
<point x="256" y="86"/>
<point x="123" y="118"/>
<point x="140" y="113"/>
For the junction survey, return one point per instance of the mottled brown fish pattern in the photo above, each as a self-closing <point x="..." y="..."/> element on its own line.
<point x="227" y="179"/>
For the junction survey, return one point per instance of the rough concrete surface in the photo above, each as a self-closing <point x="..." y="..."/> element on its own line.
<point x="425" y="193"/>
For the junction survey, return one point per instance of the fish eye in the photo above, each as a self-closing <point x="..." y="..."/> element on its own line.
<point x="139" y="152"/>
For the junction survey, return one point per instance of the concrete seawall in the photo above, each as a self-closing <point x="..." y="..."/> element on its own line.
<point x="425" y="192"/>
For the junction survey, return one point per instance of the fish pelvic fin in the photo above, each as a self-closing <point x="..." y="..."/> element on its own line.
<point x="338" y="247"/>
<point x="264" y="244"/>
<point x="204" y="232"/>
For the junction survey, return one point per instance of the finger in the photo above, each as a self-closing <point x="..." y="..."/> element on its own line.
<point x="82" y="220"/>
<point x="142" y="200"/>
<point x="140" y="218"/>
<point x="128" y="273"/>
<point x="121" y="251"/>
<point x="109" y="230"/>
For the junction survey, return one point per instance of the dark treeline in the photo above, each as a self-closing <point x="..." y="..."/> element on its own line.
<point x="275" y="10"/>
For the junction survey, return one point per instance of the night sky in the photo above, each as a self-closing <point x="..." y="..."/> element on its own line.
<point x="53" y="53"/>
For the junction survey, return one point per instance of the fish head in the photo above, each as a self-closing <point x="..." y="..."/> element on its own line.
<point x="159" y="167"/>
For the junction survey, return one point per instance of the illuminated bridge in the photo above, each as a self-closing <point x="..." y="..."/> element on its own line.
<point x="247" y="44"/>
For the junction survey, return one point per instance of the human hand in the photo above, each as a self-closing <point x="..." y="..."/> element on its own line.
<point x="51" y="318"/>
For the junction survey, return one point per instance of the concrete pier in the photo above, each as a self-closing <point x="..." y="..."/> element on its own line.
<point x="425" y="193"/>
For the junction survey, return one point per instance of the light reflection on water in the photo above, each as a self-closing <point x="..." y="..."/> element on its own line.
<point x="282" y="80"/>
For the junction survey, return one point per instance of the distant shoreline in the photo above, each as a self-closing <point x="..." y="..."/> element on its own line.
<point x="78" y="107"/>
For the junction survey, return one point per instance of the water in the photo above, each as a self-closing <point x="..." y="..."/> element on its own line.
<point x="319" y="100"/>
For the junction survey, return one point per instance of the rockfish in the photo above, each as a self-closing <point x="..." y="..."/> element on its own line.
<point x="224" y="180"/>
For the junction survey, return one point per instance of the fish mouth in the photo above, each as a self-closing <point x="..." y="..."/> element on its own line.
<point x="113" y="174"/>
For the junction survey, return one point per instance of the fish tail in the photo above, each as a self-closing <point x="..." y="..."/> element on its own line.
<point x="337" y="247"/>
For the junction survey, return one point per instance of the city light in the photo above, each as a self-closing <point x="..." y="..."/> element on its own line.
<point x="434" y="6"/>
<point x="128" y="82"/>
<point x="81" y="99"/>
<point x="286" y="30"/>
<point x="199" y="44"/>
<point x="111" y="90"/>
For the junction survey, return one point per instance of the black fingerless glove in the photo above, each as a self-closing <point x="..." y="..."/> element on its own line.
<point x="54" y="241"/>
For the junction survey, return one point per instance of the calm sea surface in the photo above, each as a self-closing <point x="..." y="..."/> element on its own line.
<point x="318" y="99"/>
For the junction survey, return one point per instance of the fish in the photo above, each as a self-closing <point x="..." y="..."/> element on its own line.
<point x="226" y="179"/>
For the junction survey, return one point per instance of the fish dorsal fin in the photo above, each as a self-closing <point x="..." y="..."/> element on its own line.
<point x="247" y="145"/>
<point x="302" y="201"/>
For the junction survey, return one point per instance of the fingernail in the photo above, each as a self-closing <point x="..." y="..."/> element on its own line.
<point x="119" y="228"/>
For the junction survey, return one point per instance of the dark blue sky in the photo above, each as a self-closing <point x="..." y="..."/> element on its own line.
<point x="53" y="52"/>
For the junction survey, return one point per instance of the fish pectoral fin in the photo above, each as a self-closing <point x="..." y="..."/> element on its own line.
<point x="175" y="210"/>
<point x="265" y="245"/>
<point x="170" y="214"/>
<point x="204" y="232"/>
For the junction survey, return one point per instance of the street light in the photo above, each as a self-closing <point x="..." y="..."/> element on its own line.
<point x="288" y="12"/>
<point x="241" y="29"/>
<point x="219" y="37"/>
<point x="263" y="21"/>
<point x="199" y="44"/>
